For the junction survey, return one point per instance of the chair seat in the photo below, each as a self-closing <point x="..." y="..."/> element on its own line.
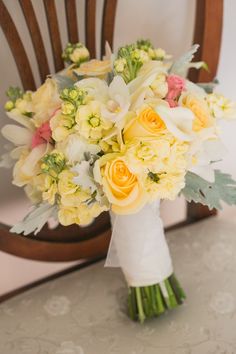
<point x="84" y="312"/>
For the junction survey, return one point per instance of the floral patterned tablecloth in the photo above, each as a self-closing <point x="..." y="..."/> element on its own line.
<point x="84" y="312"/>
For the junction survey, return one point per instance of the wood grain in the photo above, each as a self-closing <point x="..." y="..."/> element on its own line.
<point x="34" y="30"/>
<point x="51" y="14"/>
<point x="71" y="21"/>
<point x="108" y="23"/>
<point x="90" y="26"/>
<point x="17" y="48"/>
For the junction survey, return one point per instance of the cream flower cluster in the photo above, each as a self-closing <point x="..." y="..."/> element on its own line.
<point x="123" y="133"/>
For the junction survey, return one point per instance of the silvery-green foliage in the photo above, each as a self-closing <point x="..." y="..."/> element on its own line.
<point x="223" y="189"/>
<point x="36" y="219"/>
<point x="181" y="65"/>
<point x="63" y="81"/>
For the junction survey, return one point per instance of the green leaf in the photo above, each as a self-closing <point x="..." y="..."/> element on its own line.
<point x="223" y="189"/>
<point x="181" y="65"/>
<point x="13" y="93"/>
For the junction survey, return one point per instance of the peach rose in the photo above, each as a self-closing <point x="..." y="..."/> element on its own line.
<point x="120" y="185"/>
<point x="198" y="106"/>
<point x="94" y="67"/>
<point x="147" y="123"/>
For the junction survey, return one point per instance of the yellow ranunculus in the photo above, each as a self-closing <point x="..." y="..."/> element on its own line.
<point x="81" y="215"/>
<point x="71" y="194"/>
<point x="61" y="126"/>
<point x="148" y="154"/>
<point x="198" y="106"/>
<point x="79" y="54"/>
<point x="68" y="216"/>
<point x="167" y="186"/>
<point x="50" y="189"/>
<point x="45" y="101"/>
<point x="94" y="67"/>
<point x="65" y="184"/>
<point x="147" y="123"/>
<point x="121" y="186"/>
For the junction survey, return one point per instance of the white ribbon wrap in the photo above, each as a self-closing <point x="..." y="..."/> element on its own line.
<point x="139" y="247"/>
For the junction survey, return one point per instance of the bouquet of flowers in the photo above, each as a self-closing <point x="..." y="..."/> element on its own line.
<point x="120" y="134"/>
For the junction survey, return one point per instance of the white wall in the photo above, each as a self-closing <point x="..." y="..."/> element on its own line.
<point x="169" y="24"/>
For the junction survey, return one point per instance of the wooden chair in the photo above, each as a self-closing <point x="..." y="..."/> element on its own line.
<point x="72" y="243"/>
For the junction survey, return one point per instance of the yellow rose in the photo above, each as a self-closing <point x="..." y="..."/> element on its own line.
<point x="147" y="123"/>
<point x="121" y="186"/>
<point x="45" y="101"/>
<point x="94" y="67"/>
<point x="198" y="106"/>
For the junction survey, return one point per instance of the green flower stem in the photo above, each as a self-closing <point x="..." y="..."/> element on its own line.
<point x="150" y="301"/>
<point x="173" y="301"/>
<point x="160" y="304"/>
<point x="141" y="314"/>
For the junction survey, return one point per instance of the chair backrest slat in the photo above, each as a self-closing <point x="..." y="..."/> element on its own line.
<point x="108" y="23"/>
<point x="36" y="37"/>
<point x="17" y="48"/>
<point x="90" y="26"/>
<point x="71" y="20"/>
<point x="50" y="9"/>
<point x="207" y="33"/>
<point x="208" y="30"/>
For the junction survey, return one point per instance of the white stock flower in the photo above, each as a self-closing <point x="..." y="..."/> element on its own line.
<point x="97" y="89"/>
<point x="221" y="107"/>
<point x="75" y="148"/>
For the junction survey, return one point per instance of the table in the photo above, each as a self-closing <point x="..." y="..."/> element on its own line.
<point x="84" y="311"/>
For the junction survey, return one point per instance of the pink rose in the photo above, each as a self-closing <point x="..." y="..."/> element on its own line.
<point x="42" y="135"/>
<point x="176" y="85"/>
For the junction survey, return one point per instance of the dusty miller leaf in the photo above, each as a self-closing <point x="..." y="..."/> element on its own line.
<point x="35" y="220"/>
<point x="181" y="65"/>
<point x="63" y="81"/>
<point x="209" y="86"/>
<point x="201" y="191"/>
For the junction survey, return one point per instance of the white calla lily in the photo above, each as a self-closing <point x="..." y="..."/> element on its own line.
<point x="20" y="118"/>
<point x="203" y="155"/>
<point x="31" y="161"/>
<point x="119" y="101"/>
<point x="17" y="135"/>
<point x="178" y="121"/>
